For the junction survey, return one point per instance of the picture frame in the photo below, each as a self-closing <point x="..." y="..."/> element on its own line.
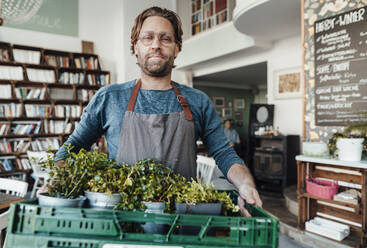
<point x="227" y="112"/>
<point x="288" y="83"/>
<point x="239" y="103"/>
<point x="219" y="101"/>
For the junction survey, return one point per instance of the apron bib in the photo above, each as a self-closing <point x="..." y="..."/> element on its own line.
<point x="166" y="138"/>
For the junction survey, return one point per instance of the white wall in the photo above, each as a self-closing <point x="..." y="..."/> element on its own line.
<point x="106" y="23"/>
<point x="282" y="54"/>
<point x="105" y="32"/>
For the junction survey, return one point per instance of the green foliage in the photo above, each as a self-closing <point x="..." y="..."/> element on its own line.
<point x="194" y="192"/>
<point x="69" y="179"/>
<point x="149" y="181"/>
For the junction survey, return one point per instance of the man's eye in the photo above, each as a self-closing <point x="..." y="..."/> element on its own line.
<point x="166" y="39"/>
<point x="147" y="38"/>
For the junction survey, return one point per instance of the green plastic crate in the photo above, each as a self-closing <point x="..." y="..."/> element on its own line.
<point x="31" y="225"/>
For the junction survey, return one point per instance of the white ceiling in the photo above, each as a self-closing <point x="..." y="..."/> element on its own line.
<point x="266" y="19"/>
<point x="245" y="77"/>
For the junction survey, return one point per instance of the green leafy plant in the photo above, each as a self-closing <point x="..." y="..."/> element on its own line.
<point x="150" y="181"/>
<point x="194" y="192"/>
<point x="69" y="179"/>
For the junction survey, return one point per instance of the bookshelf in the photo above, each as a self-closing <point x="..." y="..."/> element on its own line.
<point x="42" y="95"/>
<point x="206" y="14"/>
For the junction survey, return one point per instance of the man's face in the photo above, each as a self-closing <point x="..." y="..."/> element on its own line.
<point x="156" y="48"/>
<point x="227" y="124"/>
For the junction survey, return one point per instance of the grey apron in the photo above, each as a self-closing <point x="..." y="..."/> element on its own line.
<point x="167" y="138"/>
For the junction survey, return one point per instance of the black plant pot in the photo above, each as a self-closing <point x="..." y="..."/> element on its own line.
<point x="200" y="209"/>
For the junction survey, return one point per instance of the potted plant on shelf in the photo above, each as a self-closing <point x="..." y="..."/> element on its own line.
<point x="350" y="144"/>
<point x="66" y="181"/>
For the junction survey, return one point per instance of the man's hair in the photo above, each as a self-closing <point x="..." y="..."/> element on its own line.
<point x="157" y="11"/>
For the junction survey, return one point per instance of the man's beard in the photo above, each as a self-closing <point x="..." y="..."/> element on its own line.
<point x="156" y="69"/>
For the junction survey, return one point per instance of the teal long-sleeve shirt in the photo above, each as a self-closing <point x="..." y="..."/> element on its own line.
<point x="105" y="112"/>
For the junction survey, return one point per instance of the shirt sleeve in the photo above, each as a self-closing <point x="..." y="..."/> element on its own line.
<point x="214" y="138"/>
<point x="87" y="131"/>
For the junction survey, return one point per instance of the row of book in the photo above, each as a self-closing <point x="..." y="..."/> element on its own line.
<point x="11" y="72"/>
<point x="57" y="61"/>
<point x="5" y="91"/>
<point x="41" y="75"/>
<point x="8" y="146"/>
<point x="10" y="110"/>
<point x="98" y="79"/>
<point x="21" y="129"/>
<point x="72" y="78"/>
<point x="91" y="63"/>
<point x="37" y="110"/>
<point x="35" y="127"/>
<point x="30" y="93"/>
<point x="27" y="56"/>
<point x="40" y="93"/>
<point x="12" y="164"/>
<point x="4" y="55"/>
<point x="73" y="111"/>
<point x="85" y="95"/>
<point x="57" y="127"/>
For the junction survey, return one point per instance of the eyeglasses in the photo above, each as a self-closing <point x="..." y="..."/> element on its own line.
<point x="148" y="38"/>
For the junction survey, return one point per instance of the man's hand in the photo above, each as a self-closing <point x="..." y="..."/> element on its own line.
<point x="250" y="195"/>
<point x="241" y="177"/>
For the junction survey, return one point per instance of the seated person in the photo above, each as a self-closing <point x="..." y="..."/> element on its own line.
<point x="232" y="136"/>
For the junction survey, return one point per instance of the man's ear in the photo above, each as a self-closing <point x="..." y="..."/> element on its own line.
<point x="135" y="44"/>
<point x="177" y="50"/>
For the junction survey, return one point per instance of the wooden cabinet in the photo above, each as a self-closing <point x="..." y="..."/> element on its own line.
<point x="42" y="95"/>
<point x="348" y="175"/>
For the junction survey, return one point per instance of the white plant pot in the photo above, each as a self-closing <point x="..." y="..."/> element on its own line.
<point x="350" y="149"/>
<point x="103" y="200"/>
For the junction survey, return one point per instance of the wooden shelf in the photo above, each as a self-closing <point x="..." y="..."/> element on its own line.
<point x="14" y="136"/>
<point x="57" y="62"/>
<point x="344" y="204"/>
<point x="37" y="118"/>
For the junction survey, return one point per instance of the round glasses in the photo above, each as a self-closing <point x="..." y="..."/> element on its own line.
<point x="164" y="39"/>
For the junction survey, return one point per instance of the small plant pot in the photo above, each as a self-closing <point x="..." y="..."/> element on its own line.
<point x="350" y="149"/>
<point x="49" y="201"/>
<point x="151" y="227"/>
<point x="201" y="209"/>
<point x="102" y="200"/>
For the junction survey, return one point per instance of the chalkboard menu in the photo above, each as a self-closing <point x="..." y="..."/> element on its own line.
<point x="341" y="69"/>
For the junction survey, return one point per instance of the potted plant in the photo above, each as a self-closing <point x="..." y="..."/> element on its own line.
<point x="106" y="180"/>
<point x="350" y="144"/>
<point x="149" y="186"/>
<point x="66" y="181"/>
<point x="198" y="198"/>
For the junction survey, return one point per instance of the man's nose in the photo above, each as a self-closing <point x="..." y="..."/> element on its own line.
<point x="156" y="43"/>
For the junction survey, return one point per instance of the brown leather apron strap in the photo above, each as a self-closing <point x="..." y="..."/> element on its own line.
<point x="183" y="103"/>
<point x="134" y="95"/>
<point x="180" y="98"/>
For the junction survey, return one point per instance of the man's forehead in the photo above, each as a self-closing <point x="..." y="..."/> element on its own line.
<point x="157" y="24"/>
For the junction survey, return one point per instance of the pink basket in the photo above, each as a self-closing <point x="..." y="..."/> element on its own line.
<point x="321" y="188"/>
